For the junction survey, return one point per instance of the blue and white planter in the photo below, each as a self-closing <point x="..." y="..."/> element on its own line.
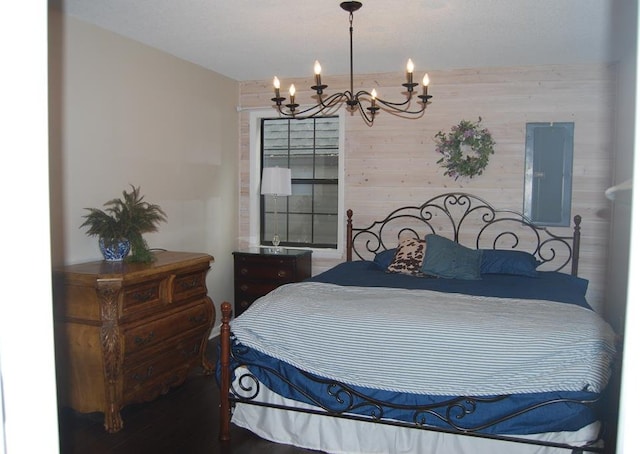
<point x="115" y="252"/>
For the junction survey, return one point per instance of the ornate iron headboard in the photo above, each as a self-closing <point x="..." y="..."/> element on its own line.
<point x="471" y="221"/>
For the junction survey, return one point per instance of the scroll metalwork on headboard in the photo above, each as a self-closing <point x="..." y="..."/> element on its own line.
<point x="470" y="221"/>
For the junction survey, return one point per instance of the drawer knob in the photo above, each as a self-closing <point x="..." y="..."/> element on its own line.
<point x="188" y="285"/>
<point x="143" y="377"/>
<point x="244" y="271"/>
<point x="190" y="353"/>
<point x="244" y="304"/>
<point x="141" y="297"/>
<point x="144" y="340"/>
<point x="244" y="287"/>
<point x="282" y="273"/>
<point x="197" y="319"/>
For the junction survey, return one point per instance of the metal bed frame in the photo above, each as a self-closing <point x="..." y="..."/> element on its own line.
<point x="446" y="215"/>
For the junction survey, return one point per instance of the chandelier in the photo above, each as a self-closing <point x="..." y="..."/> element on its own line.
<point x="367" y="103"/>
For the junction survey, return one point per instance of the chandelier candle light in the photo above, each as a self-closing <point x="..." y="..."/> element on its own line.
<point x="354" y="101"/>
<point x="276" y="181"/>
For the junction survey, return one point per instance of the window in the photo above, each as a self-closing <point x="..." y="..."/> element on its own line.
<point x="310" y="147"/>
<point x="548" y="173"/>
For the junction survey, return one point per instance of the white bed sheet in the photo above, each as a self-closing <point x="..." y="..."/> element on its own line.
<point x="534" y="345"/>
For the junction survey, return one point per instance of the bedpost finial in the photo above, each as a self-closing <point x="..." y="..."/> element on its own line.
<point x="349" y="235"/>
<point x="225" y="308"/>
<point x="225" y="373"/>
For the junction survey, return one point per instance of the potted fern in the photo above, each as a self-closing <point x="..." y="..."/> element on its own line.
<point x="119" y="227"/>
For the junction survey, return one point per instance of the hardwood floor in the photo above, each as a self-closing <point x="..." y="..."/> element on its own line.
<point x="184" y="421"/>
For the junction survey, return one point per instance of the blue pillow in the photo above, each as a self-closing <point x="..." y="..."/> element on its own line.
<point x="448" y="259"/>
<point x="502" y="261"/>
<point x="384" y="258"/>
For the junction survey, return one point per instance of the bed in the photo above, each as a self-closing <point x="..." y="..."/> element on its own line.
<point x="452" y="326"/>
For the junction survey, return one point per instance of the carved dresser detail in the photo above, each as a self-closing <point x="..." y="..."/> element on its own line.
<point x="127" y="332"/>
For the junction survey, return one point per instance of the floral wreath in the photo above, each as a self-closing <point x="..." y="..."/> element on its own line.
<point x="465" y="150"/>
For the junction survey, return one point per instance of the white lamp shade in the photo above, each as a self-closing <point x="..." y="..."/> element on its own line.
<point x="276" y="181"/>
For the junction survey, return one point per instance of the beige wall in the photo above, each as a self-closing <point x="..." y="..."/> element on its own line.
<point x="393" y="163"/>
<point x="123" y="113"/>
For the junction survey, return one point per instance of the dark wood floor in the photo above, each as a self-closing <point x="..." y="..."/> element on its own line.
<point x="184" y="421"/>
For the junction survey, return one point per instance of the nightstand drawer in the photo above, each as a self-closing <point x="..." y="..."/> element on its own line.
<point x="247" y="292"/>
<point x="259" y="268"/>
<point x="158" y="331"/>
<point x="242" y="304"/>
<point x="255" y="289"/>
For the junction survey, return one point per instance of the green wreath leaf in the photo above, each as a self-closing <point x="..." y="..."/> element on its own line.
<point x="469" y="135"/>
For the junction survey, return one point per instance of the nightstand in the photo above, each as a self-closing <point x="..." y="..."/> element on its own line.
<point x="258" y="271"/>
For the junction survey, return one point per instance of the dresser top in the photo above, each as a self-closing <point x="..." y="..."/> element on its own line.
<point x="165" y="260"/>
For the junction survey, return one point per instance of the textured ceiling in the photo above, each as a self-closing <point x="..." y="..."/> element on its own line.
<point x="255" y="40"/>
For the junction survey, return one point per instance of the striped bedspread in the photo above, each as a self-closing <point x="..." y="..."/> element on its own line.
<point x="426" y="342"/>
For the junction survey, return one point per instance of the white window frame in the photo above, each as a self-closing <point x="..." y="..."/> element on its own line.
<point x="255" y="149"/>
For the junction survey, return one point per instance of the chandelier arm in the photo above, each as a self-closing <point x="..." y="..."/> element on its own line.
<point x="410" y="115"/>
<point x="396" y="110"/>
<point x="390" y="105"/>
<point x="334" y="99"/>
<point x="316" y="109"/>
<point x="396" y="104"/>
<point x="368" y="118"/>
<point x="363" y="93"/>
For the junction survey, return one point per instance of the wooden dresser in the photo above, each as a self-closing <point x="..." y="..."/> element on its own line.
<point x="257" y="271"/>
<point x="127" y="332"/>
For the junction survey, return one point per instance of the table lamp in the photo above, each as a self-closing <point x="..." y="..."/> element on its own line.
<point x="276" y="181"/>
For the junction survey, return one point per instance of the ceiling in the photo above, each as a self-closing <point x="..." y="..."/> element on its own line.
<point x="255" y="40"/>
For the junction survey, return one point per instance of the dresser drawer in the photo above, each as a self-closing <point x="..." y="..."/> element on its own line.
<point x="142" y="297"/>
<point x="159" y="330"/>
<point x="260" y="268"/>
<point x="188" y="285"/>
<point x="164" y="369"/>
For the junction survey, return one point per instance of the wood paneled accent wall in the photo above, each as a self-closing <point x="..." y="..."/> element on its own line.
<point x="393" y="163"/>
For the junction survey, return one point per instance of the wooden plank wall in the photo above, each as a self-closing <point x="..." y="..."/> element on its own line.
<point x="393" y="163"/>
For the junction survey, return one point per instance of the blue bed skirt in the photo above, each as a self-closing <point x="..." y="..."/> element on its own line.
<point x="517" y="414"/>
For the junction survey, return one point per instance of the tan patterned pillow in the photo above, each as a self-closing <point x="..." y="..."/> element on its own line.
<point x="408" y="257"/>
